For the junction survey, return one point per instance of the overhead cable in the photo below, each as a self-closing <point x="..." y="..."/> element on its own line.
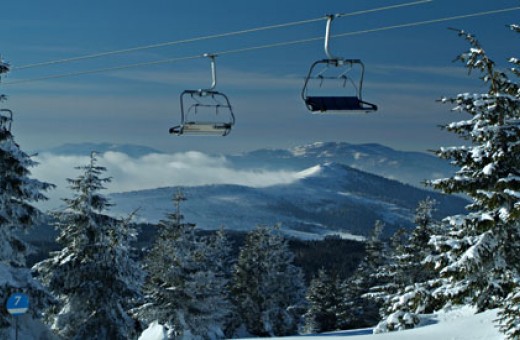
<point x="427" y="22"/>
<point x="342" y="15"/>
<point x="213" y="36"/>
<point x="260" y="47"/>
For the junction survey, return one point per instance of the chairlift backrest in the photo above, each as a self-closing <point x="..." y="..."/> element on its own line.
<point x="346" y="92"/>
<point x="205" y="112"/>
<point x="336" y="101"/>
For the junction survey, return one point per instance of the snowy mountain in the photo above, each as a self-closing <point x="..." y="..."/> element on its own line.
<point x="327" y="198"/>
<point x="264" y="186"/>
<point x="408" y="167"/>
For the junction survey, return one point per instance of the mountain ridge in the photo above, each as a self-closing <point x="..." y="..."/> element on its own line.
<point x="410" y="167"/>
<point x="329" y="198"/>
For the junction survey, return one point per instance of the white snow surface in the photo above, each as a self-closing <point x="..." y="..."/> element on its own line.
<point x="28" y="329"/>
<point x="154" y="332"/>
<point x="457" y="324"/>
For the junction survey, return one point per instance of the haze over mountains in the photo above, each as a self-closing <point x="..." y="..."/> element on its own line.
<point x="407" y="167"/>
<point x="312" y="190"/>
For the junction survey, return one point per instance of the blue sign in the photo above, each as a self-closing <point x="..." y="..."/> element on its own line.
<point x="17" y="304"/>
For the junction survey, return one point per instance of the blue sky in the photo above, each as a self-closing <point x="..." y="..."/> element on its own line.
<point x="407" y="69"/>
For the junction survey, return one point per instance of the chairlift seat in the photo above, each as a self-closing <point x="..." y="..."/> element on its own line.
<point x="338" y="103"/>
<point x="202" y="128"/>
<point x="4" y="67"/>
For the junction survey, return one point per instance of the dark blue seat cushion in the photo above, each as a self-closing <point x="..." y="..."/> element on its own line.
<point x="338" y="104"/>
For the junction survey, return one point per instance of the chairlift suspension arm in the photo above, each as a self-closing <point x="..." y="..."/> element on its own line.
<point x="213" y="71"/>
<point x="330" y="17"/>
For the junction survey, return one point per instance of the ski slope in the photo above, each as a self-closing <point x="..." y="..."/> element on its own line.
<point x="457" y="324"/>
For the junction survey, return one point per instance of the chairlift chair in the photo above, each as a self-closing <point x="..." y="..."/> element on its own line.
<point x="324" y="102"/>
<point x="4" y="67"/>
<point x="205" y="112"/>
<point x="6" y="118"/>
<point x="214" y="103"/>
<point x="339" y="102"/>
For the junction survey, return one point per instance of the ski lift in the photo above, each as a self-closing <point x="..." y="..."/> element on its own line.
<point x="347" y="96"/>
<point x="6" y="118"/>
<point x="205" y="112"/>
<point x="4" y="67"/>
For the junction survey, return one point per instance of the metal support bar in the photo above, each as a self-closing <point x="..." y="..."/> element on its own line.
<point x="213" y="71"/>
<point x="330" y="17"/>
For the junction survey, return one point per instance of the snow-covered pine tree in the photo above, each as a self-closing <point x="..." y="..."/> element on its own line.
<point x="415" y="277"/>
<point x="323" y="298"/>
<point x="186" y="284"/>
<point x="268" y="289"/>
<point x="479" y="256"/>
<point x="509" y="314"/>
<point x="159" y="287"/>
<point x="207" y="313"/>
<point x="220" y="263"/>
<point x="356" y="309"/>
<point x="18" y="193"/>
<point x="94" y="275"/>
<point x="389" y="277"/>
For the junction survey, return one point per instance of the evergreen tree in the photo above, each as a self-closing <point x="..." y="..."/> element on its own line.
<point x="390" y="276"/>
<point x="479" y="256"/>
<point x="323" y="298"/>
<point x="357" y="308"/>
<point x="94" y="275"/>
<point x="161" y="265"/>
<point x="187" y="285"/>
<point x="210" y="308"/>
<point x="509" y="314"/>
<point x="220" y="263"/>
<point x="18" y="193"/>
<point x="414" y="277"/>
<point x="268" y="288"/>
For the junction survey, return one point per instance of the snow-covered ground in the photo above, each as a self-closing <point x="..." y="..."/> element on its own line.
<point x="457" y="324"/>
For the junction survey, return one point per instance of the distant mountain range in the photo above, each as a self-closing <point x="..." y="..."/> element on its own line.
<point x="405" y="166"/>
<point x="342" y="188"/>
<point x="329" y="198"/>
<point x="408" y="167"/>
<point x="85" y="149"/>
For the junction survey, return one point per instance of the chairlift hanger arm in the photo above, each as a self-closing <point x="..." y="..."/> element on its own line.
<point x="329" y="17"/>
<point x="213" y="72"/>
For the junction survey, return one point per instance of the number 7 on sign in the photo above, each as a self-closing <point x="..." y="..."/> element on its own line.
<point x="17" y="300"/>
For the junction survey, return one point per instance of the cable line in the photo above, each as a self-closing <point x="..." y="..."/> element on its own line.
<point x="342" y="15"/>
<point x="170" y="43"/>
<point x="213" y="36"/>
<point x="427" y="22"/>
<point x="260" y="47"/>
<point x="372" y="30"/>
<point x="103" y="70"/>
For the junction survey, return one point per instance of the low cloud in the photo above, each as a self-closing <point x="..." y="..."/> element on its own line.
<point x="152" y="171"/>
